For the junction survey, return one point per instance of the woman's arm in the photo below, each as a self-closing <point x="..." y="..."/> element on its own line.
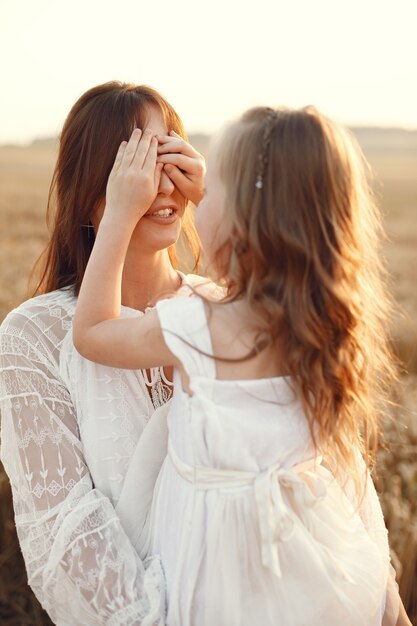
<point x="79" y="561"/>
<point x="99" y="333"/>
<point x="403" y="619"/>
<point x="372" y="517"/>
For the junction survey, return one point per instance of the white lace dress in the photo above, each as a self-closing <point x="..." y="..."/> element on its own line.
<point x="250" y="527"/>
<point x="69" y="432"/>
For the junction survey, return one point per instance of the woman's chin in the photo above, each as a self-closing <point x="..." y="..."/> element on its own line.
<point x="154" y="235"/>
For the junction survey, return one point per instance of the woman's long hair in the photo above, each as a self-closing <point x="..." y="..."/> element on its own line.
<point x="97" y="124"/>
<point x="301" y="234"/>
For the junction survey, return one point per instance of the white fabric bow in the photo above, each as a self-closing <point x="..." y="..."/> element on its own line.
<point x="276" y="519"/>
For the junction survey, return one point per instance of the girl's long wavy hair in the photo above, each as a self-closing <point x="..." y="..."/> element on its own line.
<point x="98" y="122"/>
<point x="300" y="236"/>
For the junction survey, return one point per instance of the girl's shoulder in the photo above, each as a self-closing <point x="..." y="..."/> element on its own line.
<point x="184" y="326"/>
<point x="182" y="312"/>
<point x="195" y="285"/>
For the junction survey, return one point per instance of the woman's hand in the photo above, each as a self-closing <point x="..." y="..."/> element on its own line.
<point x="134" y="179"/>
<point x="183" y="164"/>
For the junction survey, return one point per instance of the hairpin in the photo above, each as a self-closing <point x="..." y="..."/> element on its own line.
<point x="270" y="120"/>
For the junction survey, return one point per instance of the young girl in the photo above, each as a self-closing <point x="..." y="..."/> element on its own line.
<point x="263" y="513"/>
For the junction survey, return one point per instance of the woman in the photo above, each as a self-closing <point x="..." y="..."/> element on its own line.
<point x="67" y="467"/>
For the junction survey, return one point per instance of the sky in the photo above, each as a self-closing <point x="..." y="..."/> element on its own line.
<point x="356" y="60"/>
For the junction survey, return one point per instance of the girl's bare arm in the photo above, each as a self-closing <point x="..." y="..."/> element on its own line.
<point x="99" y="333"/>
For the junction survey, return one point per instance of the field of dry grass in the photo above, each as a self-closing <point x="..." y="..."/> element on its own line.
<point x="24" y="178"/>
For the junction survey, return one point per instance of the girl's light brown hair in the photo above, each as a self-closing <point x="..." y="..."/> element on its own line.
<point x="302" y="247"/>
<point x="98" y="122"/>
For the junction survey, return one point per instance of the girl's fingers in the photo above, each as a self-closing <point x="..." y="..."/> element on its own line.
<point x="178" y="178"/>
<point x="174" y="144"/>
<point x="182" y="161"/>
<point x="119" y="156"/>
<point x="186" y="186"/>
<point x="151" y="156"/>
<point x="175" y="173"/>
<point x="131" y="148"/>
<point x="143" y="148"/>
<point x="165" y="138"/>
<point x="158" y="171"/>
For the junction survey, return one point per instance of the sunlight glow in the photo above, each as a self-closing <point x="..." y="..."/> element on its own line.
<point x="354" y="60"/>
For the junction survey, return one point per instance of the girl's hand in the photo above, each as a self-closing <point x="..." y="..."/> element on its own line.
<point x="134" y="179"/>
<point x="183" y="164"/>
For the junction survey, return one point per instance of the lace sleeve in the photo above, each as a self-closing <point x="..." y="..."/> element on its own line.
<point x="79" y="561"/>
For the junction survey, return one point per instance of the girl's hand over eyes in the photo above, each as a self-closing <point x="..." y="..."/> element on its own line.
<point x="183" y="164"/>
<point x="134" y="179"/>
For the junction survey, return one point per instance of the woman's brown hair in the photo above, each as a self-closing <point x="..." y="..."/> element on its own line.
<point x="98" y="122"/>
<point x="301" y="233"/>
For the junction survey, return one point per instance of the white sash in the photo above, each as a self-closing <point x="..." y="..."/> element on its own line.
<point x="276" y="519"/>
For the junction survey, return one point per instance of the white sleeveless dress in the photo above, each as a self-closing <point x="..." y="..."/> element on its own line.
<point x="251" y="528"/>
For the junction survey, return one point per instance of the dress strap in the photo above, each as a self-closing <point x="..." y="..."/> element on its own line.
<point x="184" y="325"/>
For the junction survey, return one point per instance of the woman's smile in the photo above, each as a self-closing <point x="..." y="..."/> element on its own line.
<point x="166" y="214"/>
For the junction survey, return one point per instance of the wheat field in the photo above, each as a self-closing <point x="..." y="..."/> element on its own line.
<point x="25" y="174"/>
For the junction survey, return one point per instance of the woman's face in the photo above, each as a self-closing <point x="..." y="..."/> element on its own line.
<point x="158" y="228"/>
<point x="209" y="213"/>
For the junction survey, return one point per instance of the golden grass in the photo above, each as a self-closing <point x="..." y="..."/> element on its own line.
<point x="24" y="179"/>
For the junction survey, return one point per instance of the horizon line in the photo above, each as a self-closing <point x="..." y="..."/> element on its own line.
<point x="27" y="143"/>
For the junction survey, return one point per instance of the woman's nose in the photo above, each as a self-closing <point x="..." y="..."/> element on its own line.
<point x="166" y="186"/>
